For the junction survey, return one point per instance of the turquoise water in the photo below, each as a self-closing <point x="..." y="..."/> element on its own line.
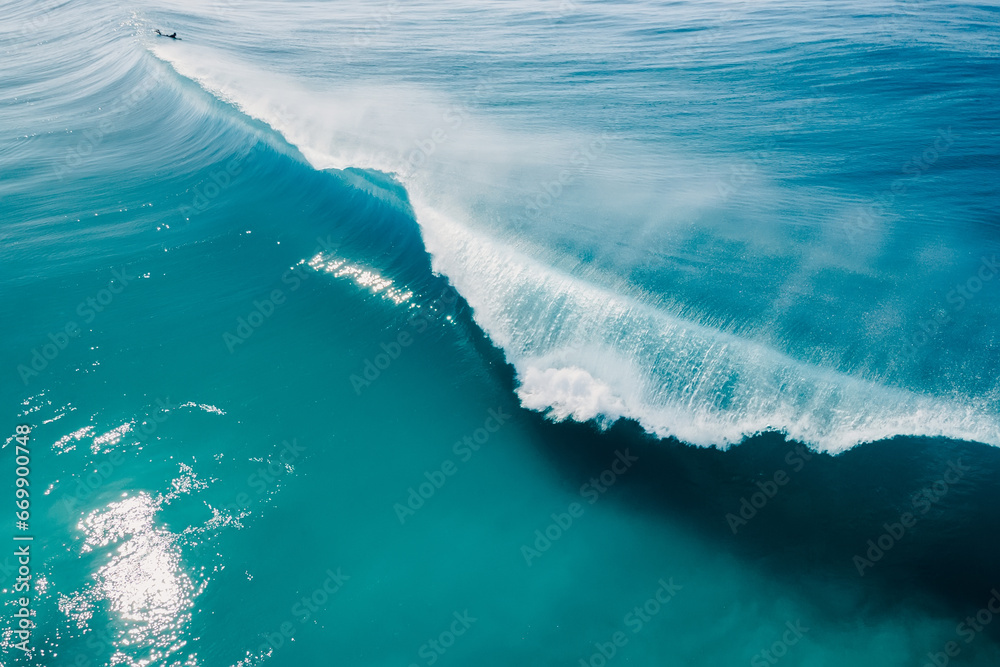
<point x="506" y="334"/>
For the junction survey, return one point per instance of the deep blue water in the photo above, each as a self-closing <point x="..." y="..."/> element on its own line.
<point x="503" y="333"/>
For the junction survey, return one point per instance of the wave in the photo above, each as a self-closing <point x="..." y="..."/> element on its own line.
<point x="584" y="353"/>
<point x="581" y="349"/>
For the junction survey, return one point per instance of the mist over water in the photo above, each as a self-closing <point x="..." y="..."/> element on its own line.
<point x="516" y="333"/>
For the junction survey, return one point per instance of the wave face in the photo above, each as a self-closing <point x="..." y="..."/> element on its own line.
<point x="717" y="231"/>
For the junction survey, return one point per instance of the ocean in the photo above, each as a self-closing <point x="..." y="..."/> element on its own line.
<point x="635" y="332"/>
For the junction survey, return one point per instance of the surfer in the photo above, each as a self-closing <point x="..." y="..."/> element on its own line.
<point x="173" y="36"/>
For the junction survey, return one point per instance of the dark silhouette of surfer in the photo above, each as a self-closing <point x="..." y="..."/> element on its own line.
<point x="173" y="36"/>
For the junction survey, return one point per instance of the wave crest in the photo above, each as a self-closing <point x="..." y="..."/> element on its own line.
<point x="588" y="352"/>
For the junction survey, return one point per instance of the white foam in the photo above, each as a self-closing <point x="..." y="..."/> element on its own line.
<point x="569" y="393"/>
<point x="584" y="352"/>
